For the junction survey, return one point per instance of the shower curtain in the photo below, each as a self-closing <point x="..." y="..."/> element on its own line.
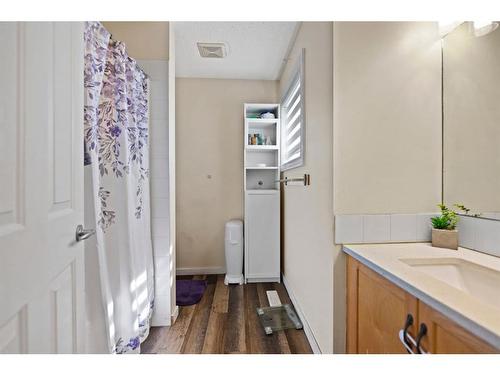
<point x="116" y="116"/>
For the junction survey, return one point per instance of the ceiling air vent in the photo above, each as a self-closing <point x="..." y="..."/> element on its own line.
<point x="212" y="50"/>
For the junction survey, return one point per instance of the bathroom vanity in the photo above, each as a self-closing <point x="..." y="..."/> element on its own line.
<point x="414" y="298"/>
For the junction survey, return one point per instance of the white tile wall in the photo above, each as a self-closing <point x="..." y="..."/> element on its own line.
<point x="160" y="226"/>
<point x="158" y="187"/>
<point x="403" y="227"/>
<point x="348" y="229"/>
<point x="162" y="314"/>
<point x="161" y="246"/>
<point x="376" y="228"/>
<point x="161" y="263"/>
<point x="479" y="234"/>
<point x="159" y="110"/>
<point x="424" y="227"/>
<point x="157" y="168"/>
<point x="473" y="233"/>
<point x="160" y="89"/>
<point x="491" y="215"/>
<point x="383" y="228"/>
<point x="467" y="232"/>
<point x="160" y="205"/>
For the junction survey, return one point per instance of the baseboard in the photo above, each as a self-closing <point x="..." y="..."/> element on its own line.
<point x="263" y="280"/>
<point x="175" y="314"/>
<point x="200" y="271"/>
<point x="307" y="329"/>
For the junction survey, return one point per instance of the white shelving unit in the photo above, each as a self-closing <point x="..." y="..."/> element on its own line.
<point x="262" y="194"/>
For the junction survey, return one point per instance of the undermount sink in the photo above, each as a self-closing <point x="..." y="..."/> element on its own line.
<point x="478" y="281"/>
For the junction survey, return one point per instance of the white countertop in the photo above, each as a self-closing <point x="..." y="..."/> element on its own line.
<point x="480" y="318"/>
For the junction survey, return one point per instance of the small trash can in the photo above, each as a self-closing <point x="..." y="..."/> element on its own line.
<point x="234" y="252"/>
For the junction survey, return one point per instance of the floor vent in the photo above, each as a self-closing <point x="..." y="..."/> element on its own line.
<point x="273" y="298"/>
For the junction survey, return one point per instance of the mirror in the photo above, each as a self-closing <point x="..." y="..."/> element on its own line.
<point x="471" y="120"/>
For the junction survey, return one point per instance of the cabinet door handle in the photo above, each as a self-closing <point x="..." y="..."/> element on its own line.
<point x="404" y="340"/>
<point x="405" y="337"/>
<point x="421" y="333"/>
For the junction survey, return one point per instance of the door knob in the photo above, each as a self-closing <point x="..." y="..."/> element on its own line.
<point x="83" y="234"/>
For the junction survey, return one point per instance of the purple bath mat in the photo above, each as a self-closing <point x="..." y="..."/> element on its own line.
<point x="189" y="292"/>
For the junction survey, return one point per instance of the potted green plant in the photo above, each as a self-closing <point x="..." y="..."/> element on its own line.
<point x="444" y="232"/>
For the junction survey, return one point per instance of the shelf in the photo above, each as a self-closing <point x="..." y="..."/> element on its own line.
<point x="262" y="191"/>
<point x="261" y="167"/>
<point x="260" y="148"/>
<point x="259" y="108"/>
<point x="262" y="121"/>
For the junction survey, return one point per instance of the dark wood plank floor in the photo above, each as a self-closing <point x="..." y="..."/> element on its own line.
<point x="225" y="321"/>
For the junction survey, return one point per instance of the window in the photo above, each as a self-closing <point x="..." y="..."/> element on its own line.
<point x="293" y="120"/>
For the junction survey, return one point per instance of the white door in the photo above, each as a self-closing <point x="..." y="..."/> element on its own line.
<point x="41" y="187"/>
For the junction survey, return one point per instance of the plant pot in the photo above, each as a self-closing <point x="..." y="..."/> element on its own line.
<point x="445" y="238"/>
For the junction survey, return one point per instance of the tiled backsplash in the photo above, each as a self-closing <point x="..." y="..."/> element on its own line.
<point x="383" y="228"/>
<point x="479" y="234"/>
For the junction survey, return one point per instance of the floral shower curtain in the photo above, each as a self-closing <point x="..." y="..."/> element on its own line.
<point x="116" y="118"/>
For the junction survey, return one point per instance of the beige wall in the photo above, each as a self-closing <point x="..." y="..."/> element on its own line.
<point x="471" y="121"/>
<point x="209" y="167"/>
<point x="144" y="40"/>
<point x="386" y="126"/>
<point x="387" y="117"/>
<point x="308" y="213"/>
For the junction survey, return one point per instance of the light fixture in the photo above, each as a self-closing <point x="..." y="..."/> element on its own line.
<point x="446" y="27"/>
<point x="484" y="27"/>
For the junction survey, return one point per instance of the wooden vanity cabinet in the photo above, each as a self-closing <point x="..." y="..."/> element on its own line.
<point x="377" y="311"/>
<point x="446" y="337"/>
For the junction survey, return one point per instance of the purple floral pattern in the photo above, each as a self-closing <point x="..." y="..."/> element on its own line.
<point x="134" y="343"/>
<point x="106" y="217"/>
<point x="116" y="115"/>
<point x="116" y="118"/>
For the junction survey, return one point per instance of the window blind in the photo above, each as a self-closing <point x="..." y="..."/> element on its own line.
<point x="292" y="121"/>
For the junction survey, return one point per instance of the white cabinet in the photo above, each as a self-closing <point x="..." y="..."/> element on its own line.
<point x="263" y="236"/>
<point x="262" y="192"/>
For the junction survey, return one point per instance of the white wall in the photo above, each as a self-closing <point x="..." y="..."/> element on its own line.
<point x="159" y="177"/>
<point x="308" y="213"/>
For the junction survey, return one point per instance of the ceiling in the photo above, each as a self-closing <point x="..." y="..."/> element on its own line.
<point x="256" y="50"/>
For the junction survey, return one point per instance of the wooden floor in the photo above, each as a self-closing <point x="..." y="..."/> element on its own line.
<point x="225" y="321"/>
